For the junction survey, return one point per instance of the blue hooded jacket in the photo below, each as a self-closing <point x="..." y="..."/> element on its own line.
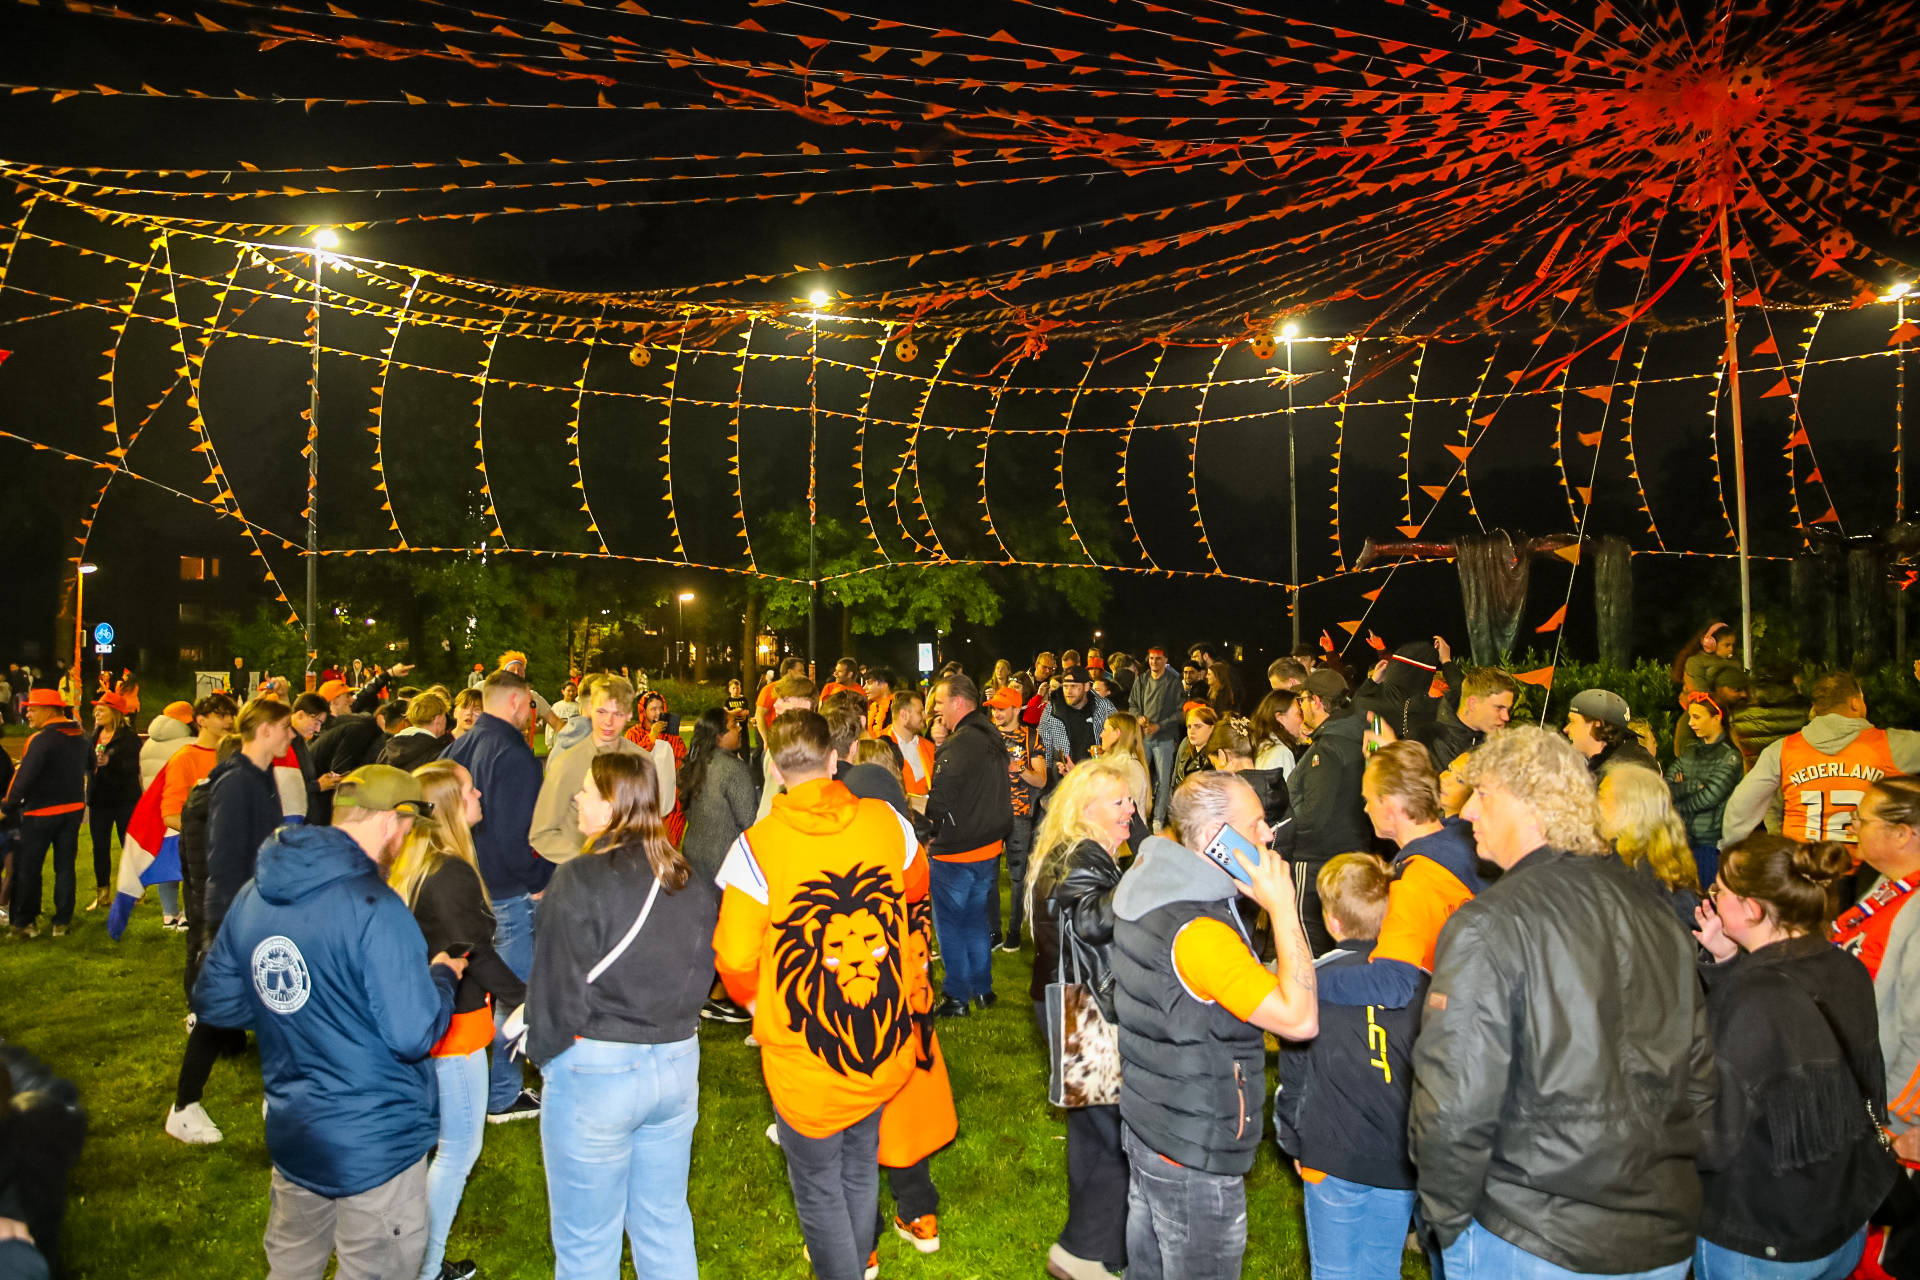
<point x="325" y="963"/>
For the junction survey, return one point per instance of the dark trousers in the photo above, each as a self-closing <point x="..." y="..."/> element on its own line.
<point x="1097" y="1178"/>
<point x="1019" y="844"/>
<point x="206" y="1044"/>
<point x="61" y="833"/>
<point x="1182" y="1224"/>
<point x="836" y="1194"/>
<point x="1306" y="896"/>
<point x="102" y="821"/>
<point x="1706" y="861"/>
<point x="914" y="1195"/>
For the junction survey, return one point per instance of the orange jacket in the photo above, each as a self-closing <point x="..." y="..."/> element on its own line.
<point x="814" y="934"/>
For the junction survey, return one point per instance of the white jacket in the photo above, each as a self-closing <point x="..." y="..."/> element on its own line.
<point x="165" y="737"/>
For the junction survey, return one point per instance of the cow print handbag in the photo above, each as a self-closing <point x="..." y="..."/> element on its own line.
<point x="1083" y="1048"/>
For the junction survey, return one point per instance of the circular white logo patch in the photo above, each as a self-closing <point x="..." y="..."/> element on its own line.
<point x="280" y="975"/>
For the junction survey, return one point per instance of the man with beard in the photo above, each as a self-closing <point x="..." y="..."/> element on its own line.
<point x="325" y="963"/>
<point x="812" y="937"/>
<point x="1070" y="729"/>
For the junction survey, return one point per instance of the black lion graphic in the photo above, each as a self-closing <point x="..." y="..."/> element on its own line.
<point x="838" y="967"/>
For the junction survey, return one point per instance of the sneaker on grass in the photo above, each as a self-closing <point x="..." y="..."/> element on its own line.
<point x="721" y="1009"/>
<point x="464" y="1269"/>
<point x="192" y="1125"/>
<point x="923" y="1233"/>
<point x="525" y="1107"/>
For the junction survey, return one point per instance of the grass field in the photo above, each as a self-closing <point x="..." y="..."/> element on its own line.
<point x="108" y="1016"/>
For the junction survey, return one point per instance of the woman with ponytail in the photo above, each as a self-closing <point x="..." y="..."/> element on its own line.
<point x="623" y="959"/>
<point x="1791" y="1156"/>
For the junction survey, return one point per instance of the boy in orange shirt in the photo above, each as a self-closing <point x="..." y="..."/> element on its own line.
<point x="813" y="939"/>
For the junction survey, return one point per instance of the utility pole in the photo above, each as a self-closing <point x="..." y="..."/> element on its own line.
<point x="1739" y="442"/>
<point x="322" y="240"/>
<point x="1293" y="491"/>
<point x="819" y="300"/>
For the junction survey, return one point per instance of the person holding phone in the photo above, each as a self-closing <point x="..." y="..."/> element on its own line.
<point x="1194" y="1004"/>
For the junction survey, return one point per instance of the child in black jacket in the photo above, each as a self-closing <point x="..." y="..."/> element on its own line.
<point x="1341" y="1109"/>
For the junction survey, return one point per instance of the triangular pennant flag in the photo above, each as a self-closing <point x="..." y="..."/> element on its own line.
<point x="1798" y="438"/>
<point x="1434" y="491"/>
<point x="1543" y="677"/>
<point x="1590" y="438"/>
<point x="1832" y="517"/>
<point x="1408" y="530"/>
<point x="1767" y="348"/>
<point x="1586" y="495"/>
<point x="1554" y="623"/>
<point x="1782" y="388"/>
<point x="1603" y="394"/>
<point x="1371" y="596"/>
<point x="1481" y="422"/>
<point x="1351" y="628"/>
<point x="1570" y="554"/>
<point x="1815" y="478"/>
<point x="1905" y="332"/>
<point x="1459" y="451"/>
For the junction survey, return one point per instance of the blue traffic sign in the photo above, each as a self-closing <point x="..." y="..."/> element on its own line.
<point x="103" y="634"/>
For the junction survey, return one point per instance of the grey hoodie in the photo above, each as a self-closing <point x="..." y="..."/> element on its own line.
<point x="1165" y="872"/>
<point x="1757" y="798"/>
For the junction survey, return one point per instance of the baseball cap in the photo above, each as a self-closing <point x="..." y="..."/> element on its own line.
<point x="334" y="688"/>
<point x="1323" y="682"/>
<point x="1075" y="675"/>
<point x="382" y="787"/>
<point x="181" y="711"/>
<point x="1601" y="704"/>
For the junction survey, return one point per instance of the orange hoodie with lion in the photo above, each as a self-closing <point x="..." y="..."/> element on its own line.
<point x="813" y="933"/>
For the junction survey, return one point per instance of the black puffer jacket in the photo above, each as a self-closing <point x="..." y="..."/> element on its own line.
<point x="1563" y="1069"/>
<point x="1446" y="738"/>
<point x="1329" y="817"/>
<point x="1082" y="901"/>
<point x="969" y="803"/>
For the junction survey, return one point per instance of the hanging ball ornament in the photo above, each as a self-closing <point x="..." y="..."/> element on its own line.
<point x="1836" y="243"/>
<point x="907" y="349"/>
<point x="640" y="356"/>
<point x="1262" y="347"/>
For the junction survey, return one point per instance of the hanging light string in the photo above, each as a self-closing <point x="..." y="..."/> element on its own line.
<point x="739" y="483"/>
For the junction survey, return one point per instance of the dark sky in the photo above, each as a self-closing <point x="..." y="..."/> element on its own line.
<point x="253" y="392"/>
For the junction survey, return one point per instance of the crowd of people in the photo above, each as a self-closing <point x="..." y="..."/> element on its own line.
<point x="1548" y="1008"/>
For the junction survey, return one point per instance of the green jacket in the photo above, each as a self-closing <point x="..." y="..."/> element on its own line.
<point x="1701" y="780"/>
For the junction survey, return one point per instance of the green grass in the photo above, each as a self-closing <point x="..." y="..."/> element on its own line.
<point x="108" y="1016"/>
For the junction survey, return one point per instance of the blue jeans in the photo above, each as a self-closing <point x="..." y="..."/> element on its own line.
<point x="1478" y="1254"/>
<point x="1182" y="1224"/>
<point x="1706" y="860"/>
<point x="959" y="891"/>
<point x="1162" y="754"/>
<point x="1356" y="1232"/>
<point x="1711" y="1262"/>
<point x="616" y="1132"/>
<point x="463" y="1123"/>
<point x="513" y="939"/>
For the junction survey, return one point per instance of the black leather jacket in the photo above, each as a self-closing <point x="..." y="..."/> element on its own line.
<point x="1083" y="902"/>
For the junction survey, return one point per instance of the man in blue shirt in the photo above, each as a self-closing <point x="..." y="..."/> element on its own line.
<point x="507" y="773"/>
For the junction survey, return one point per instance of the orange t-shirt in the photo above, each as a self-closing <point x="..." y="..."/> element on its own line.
<point x="467" y="1032"/>
<point x="1215" y="965"/>
<point x="814" y="935"/>
<point x="1423" y="898"/>
<point x="182" y="773"/>
<point x="834" y="686"/>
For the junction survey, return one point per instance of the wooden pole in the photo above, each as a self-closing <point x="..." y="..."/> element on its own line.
<point x="1739" y="443"/>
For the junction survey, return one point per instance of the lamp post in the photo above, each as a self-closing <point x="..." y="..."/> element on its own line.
<point x="819" y="299"/>
<point x="1287" y="334"/>
<point x="684" y="597"/>
<point x="1898" y="295"/>
<point x="323" y="239"/>
<point x="79" y="632"/>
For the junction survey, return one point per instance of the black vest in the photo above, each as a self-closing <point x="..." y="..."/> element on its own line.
<point x="1193" y="1076"/>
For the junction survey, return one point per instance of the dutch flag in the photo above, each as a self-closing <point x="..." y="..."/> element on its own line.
<point x="150" y="854"/>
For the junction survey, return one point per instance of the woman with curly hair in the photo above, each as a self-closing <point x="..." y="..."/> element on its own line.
<point x="1070" y="886"/>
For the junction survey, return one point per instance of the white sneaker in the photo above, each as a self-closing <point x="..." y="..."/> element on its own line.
<point x="192" y="1126"/>
<point x="773" y="1134"/>
<point x="750" y="1042"/>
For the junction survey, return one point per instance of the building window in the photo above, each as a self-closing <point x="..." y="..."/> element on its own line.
<point x="213" y="567"/>
<point x="193" y="568"/>
<point x="189" y="655"/>
<point x="192" y="612"/>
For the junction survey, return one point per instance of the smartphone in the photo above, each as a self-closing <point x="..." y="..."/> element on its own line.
<point x="1223" y="848"/>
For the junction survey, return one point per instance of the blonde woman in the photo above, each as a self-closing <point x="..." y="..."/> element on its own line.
<point x="438" y="876"/>
<point x="1002" y="677"/>
<point x="1073" y="876"/>
<point x="1637" y="818"/>
<point x="1121" y="739"/>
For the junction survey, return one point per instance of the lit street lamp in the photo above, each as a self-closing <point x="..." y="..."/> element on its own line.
<point x="684" y="597"/>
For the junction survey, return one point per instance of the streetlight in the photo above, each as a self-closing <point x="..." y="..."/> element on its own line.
<point x="818" y="297"/>
<point x="322" y="239"/>
<point x="79" y="630"/>
<point x="1288" y="332"/>
<point x="684" y="597"/>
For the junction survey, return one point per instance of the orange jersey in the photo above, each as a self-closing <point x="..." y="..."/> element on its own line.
<point x="920" y="755"/>
<point x="1822" y="792"/>
<point x="1422" y="898"/>
<point x="1214" y="965"/>
<point x="182" y="773"/>
<point x="814" y="932"/>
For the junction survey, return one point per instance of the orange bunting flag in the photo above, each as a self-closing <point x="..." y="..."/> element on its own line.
<point x="1554" y="623"/>
<point x="1815" y="478"/>
<point x="1351" y="628"/>
<point x="1570" y="554"/>
<point x="1371" y="596"/>
<point x="1799" y="438"/>
<point x="1408" y="530"/>
<point x="1832" y="517"/>
<point x="1376" y="643"/>
<point x="1586" y="495"/>
<point x="1782" y="388"/>
<point x="1905" y="332"/>
<point x="1590" y="438"/>
<point x="1459" y="451"/>
<point x="1434" y="491"/>
<point x="1603" y="394"/>
<point x="1767" y="348"/>
<point x="1543" y="677"/>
